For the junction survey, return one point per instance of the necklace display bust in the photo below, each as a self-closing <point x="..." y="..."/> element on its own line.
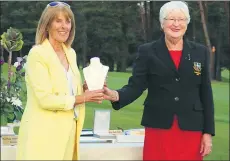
<point x="95" y="74"/>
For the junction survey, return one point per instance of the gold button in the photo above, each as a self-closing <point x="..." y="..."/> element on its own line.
<point x="56" y="93"/>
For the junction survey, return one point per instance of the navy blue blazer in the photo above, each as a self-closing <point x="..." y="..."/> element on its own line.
<point x="185" y="92"/>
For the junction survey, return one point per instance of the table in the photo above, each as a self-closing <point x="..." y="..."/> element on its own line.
<point x="94" y="149"/>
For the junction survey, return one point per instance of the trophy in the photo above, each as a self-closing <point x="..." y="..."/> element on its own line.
<point x="95" y="74"/>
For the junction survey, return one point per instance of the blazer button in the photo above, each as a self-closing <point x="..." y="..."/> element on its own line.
<point x="177" y="79"/>
<point x="56" y="93"/>
<point x="176" y="99"/>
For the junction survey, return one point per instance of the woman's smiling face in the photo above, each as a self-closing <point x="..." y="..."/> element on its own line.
<point x="175" y="24"/>
<point x="60" y="28"/>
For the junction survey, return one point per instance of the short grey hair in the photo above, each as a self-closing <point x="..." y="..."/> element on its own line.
<point x="169" y="6"/>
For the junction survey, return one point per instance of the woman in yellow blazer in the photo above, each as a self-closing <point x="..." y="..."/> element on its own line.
<point x="53" y="118"/>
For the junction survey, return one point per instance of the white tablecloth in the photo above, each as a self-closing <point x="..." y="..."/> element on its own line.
<point x="96" y="150"/>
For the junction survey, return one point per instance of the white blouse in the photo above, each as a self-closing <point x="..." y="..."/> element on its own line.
<point x="69" y="76"/>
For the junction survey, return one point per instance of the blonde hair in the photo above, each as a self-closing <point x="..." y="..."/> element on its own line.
<point x="47" y="17"/>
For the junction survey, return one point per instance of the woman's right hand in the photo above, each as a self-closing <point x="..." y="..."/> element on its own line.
<point x="94" y="96"/>
<point x="110" y="95"/>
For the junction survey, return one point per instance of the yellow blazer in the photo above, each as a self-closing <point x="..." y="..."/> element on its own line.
<point x="47" y="121"/>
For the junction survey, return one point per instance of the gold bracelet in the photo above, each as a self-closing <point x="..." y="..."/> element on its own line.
<point x="84" y="98"/>
<point x="115" y="96"/>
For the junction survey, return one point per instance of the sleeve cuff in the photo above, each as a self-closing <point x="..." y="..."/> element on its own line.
<point x="70" y="103"/>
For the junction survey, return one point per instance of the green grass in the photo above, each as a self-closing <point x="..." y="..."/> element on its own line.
<point x="221" y="100"/>
<point x="130" y="116"/>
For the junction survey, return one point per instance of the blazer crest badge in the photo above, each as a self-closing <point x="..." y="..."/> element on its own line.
<point x="197" y="68"/>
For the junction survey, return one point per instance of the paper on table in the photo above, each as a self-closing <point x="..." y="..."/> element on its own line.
<point x="101" y="121"/>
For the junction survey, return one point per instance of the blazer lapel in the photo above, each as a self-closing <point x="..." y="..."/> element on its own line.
<point x="76" y="73"/>
<point x="53" y="57"/>
<point x="163" y="54"/>
<point x="69" y="58"/>
<point x="186" y="55"/>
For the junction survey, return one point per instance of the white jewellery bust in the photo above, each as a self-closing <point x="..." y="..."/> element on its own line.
<point x="95" y="74"/>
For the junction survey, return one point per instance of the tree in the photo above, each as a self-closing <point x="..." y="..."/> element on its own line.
<point x="211" y="66"/>
<point x="226" y="7"/>
<point x="151" y="18"/>
<point x="114" y="30"/>
<point x="24" y="16"/>
<point x="146" y="20"/>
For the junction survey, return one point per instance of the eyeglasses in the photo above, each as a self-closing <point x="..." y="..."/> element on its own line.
<point x="54" y="4"/>
<point x="173" y="20"/>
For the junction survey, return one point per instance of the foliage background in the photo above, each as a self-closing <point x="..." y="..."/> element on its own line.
<point x="112" y="30"/>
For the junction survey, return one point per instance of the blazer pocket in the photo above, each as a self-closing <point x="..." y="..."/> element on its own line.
<point x="168" y="87"/>
<point x="196" y="79"/>
<point x="198" y="106"/>
<point x="161" y="73"/>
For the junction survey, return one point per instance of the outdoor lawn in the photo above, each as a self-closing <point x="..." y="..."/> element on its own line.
<point x="130" y="116"/>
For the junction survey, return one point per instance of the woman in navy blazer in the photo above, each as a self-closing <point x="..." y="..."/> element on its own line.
<point x="178" y="112"/>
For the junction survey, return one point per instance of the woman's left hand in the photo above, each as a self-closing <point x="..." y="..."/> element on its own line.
<point x="206" y="145"/>
<point x="85" y="87"/>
